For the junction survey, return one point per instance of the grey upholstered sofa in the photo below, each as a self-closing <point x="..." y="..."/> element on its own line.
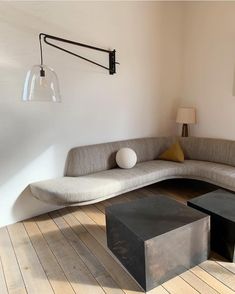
<point x="92" y="174"/>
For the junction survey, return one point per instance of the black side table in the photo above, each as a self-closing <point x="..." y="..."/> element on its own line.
<point x="220" y="205"/>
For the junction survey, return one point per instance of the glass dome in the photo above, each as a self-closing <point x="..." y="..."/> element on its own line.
<point x="41" y="84"/>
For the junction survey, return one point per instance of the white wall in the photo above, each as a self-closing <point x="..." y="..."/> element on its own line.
<point x="209" y="67"/>
<point x="138" y="101"/>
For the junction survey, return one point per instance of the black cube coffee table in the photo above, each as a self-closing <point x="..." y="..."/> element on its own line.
<point x="157" y="238"/>
<point x="220" y="205"/>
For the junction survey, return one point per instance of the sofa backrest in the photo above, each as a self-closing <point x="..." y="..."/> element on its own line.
<point x="94" y="158"/>
<point x="208" y="149"/>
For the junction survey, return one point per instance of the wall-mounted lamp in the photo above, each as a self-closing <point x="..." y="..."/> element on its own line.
<point x="41" y="83"/>
<point x="185" y="116"/>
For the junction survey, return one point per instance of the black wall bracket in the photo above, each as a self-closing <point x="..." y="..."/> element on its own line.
<point x="46" y="38"/>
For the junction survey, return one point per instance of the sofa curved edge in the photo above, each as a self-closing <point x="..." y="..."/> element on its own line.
<point x="93" y="201"/>
<point x="99" y="199"/>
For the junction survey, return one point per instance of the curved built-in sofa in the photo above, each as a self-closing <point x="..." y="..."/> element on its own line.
<point x="92" y="174"/>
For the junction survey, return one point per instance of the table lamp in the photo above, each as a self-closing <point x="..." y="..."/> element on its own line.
<point x="185" y="116"/>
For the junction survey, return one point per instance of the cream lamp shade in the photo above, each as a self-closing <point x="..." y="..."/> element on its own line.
<point x="186" y="115"/>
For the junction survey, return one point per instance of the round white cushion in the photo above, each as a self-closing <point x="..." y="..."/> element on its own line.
<point x="126" y="158"/>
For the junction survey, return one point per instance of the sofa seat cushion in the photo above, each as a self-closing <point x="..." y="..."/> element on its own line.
<point x="218" y="174"/>
<point x="106" y="184"/>
<point x="69" y="190"/>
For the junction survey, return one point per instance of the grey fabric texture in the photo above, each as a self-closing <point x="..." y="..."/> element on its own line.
<point x="214" y="150"/>
<point x="92" y="174"/>
<point x="94" y="158"/>
<point x="109" y="183"/>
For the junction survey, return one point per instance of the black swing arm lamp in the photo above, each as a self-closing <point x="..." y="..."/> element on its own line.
<point x="112" y="57"/>
<point x="41" y="81"/>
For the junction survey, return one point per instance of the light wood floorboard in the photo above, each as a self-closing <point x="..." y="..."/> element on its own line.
<point x="223" y="262"/>
<point x="65" y="252"/>
<point x="77" y="272"/>
<point x="54" y="272"/>
<point x="3" y="285"/>
<point x="93" y="264"/>
<point x="12" y="272"/>
<point x="33" y="274"/>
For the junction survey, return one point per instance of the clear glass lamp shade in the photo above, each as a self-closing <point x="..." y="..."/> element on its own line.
<point x="41" y="88"/>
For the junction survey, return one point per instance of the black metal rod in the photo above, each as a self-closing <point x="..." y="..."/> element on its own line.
<point x="42" y="71"/>
<point x="112" y="62"/>
<point x="40" y="43"/>
<point x="74" y="43"/>
<point x="74" y="54"/>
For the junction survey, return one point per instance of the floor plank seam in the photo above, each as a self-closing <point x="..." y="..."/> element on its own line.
<point x="99" y="209"/>
<point x="204" y="281"/>
<point x="189" y="284"/>
<point x="165" y="289"/>
<point x="216" y="278"/>
<point x="54" y="255"/>
<point x="89" y="249"/>
<point x="38" y="258"/>
<point x="104" y="247"/>
<point x="99" y="225"/>
<point x="101" y="243"/>
<point x="71" y="210"/>
<point x="79" y="255"/>
<point x="225" y="267"/>
<point x="13" y="248"/>
<point x="4" y="277"/>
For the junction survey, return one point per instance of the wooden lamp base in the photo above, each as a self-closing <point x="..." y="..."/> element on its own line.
<point x="185" y="130"/>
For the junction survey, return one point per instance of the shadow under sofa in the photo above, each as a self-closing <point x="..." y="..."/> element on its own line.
<point x="92" y="175"/>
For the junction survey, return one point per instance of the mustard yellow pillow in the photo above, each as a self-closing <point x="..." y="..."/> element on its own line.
<point x="173" y="153"/>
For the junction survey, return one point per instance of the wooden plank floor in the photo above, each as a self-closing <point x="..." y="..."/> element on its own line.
<point x="65" y="252"/>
